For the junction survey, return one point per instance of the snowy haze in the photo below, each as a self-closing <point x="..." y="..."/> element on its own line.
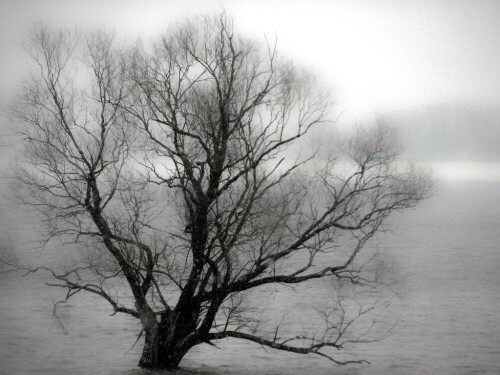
<point x="430" y="68"/>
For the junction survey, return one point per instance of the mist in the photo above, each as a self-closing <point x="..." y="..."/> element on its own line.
<point x="429" y="69"/>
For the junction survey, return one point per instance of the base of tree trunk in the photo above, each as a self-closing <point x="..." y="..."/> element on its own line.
<point x="158" y="352"/>
<point x="159" y="366"/>
<point x="162" y="363"/>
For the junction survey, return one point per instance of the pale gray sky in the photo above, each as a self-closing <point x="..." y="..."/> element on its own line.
<point x="380" y="56"/>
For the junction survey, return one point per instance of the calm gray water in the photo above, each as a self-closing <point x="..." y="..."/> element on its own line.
<point x="446" y="253"/>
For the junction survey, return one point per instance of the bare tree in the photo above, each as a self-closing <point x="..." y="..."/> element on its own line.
<point x="169" y="165"/>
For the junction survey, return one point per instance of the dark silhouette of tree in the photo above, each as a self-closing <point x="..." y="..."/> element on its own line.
<point x="170" y="166"/>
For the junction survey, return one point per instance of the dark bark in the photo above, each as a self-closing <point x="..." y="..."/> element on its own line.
<point x="159" y="353"/>
<point x="168" y="341"/>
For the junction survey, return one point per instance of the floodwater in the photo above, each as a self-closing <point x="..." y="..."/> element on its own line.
<point x="446" y="254"/>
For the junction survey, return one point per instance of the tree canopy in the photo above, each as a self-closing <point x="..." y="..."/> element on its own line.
<point x="171" y="166"/>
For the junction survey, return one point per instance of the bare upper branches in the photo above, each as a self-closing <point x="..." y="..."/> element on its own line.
<point x="78" y="150"/>
<point x="173" y="161"/>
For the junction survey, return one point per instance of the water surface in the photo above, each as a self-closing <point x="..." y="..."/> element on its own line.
<point x="446" y="254"/>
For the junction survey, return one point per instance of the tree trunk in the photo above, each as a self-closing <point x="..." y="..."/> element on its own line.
<point x="153" y="357"/>
<point x="168" y="342"/>
<point x="160" y="353"/>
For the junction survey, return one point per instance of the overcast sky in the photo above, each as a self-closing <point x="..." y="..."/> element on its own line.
<point x="383" y="58"/>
